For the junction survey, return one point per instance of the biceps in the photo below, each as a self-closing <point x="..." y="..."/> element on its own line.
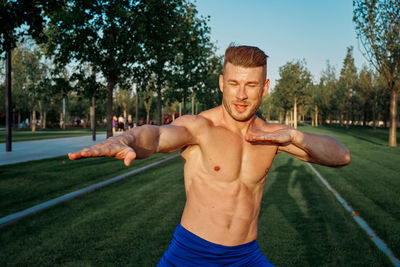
<point x="173" y="138"/>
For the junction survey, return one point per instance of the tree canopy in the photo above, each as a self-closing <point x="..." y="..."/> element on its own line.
<point x="378" y="29"/>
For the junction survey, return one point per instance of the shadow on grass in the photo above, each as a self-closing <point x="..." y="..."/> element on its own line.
<point x="298" y="218"/>
<point x="306" y="227"/>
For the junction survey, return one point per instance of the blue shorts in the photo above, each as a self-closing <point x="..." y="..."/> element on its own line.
<point x="188" y="249"/>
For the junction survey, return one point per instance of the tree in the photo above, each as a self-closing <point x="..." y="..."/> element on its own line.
<point x="364" y="89"/>
<point x="124" y="101"/>
<point x="176" y="46"/>
<point x="35" y="73"/>
<point x="13" y="15"/>
<point x="88" y="87"/>
<point x="19" y="79"/>
<point x="347" y="81"/>
<point x="208" y="92"/>
<point x="293" y="87"/>
<point x="102" y="34"/>
<point x="378" y="29"/>
<point x="328" y="85"/>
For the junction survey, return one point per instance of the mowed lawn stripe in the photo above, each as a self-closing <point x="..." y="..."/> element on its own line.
<point x="131" y="223"/>
<point x="302" y="223"/>
<point x="370" y="184"/>
<point x="24" y="185"/>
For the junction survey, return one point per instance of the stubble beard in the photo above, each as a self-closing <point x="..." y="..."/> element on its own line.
<point x="243" y="116"/>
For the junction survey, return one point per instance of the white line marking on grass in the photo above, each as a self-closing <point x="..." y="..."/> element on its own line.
<point x="377" y="240"/>
<point x="6" y="220"/>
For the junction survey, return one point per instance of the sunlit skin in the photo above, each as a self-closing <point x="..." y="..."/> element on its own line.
<point x="227" y="153"/>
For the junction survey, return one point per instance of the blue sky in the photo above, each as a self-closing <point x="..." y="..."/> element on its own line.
<point x="287" y="30"/>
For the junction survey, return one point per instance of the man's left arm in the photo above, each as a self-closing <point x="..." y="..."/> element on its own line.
<point x="320" y="149"/>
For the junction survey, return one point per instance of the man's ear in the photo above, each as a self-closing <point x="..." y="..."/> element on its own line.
<point x="221" y="83"/>
<point x="266" y="87"/>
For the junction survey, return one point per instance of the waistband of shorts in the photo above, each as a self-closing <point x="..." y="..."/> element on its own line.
<point x="185" y="236"/>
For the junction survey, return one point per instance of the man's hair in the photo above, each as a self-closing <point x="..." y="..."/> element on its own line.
<point x="245" y="56"/>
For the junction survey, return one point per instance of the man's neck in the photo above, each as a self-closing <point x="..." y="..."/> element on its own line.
<point x="239" y="127"/>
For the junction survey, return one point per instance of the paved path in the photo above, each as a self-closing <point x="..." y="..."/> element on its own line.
<point x="40" y="149"/>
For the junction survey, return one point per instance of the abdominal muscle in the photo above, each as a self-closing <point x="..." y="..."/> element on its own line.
<point x="222" y="212"/>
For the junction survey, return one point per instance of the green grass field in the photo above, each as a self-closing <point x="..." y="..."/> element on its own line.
<point x="26" y="184"/>
<point x="371" y="183"/>
<point x="131" y="222"/>
<point x="40" y="134"/>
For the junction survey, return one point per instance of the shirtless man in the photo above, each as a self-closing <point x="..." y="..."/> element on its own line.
<point x="227" y="153"/>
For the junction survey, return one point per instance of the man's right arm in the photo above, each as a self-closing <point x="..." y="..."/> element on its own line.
<point x="143" y="141"/>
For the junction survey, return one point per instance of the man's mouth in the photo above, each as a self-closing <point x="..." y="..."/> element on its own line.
<point x="240" y="107"/>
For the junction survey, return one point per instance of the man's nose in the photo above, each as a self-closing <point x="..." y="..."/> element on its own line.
<point x="241" y="94"/>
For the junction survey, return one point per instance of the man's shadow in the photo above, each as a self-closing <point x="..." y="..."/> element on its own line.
<point x="298" y="218"/>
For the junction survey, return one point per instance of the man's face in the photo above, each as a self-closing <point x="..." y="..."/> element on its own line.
<point x="242" y="90"/>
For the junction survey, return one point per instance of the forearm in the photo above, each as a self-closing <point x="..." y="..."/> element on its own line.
<point x="321" y="149"/>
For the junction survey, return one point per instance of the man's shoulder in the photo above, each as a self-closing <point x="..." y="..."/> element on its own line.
<point x="192" y="121"/>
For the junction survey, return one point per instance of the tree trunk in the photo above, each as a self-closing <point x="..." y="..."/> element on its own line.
<point x="393" y="118"/>
<point x="65" y="112"/>
<point x="40" y="114"/>
<point x="125" y="120"/>
<point x="192" y="104"/>
<point x="110" y="90"/>
<point x="61" y="116"/>
<point x="19" y="118"/>
<point x="44" y="119"/>
<point x="295" y="113"/>
<point x="137" y="107"/>
<point x="147" y="116"/>
<point x="373" y="116"/>
<point x="184" y="101"/>
<point x="347" y="120"/>
<point x="41" y="118"/>
<point x="316" y="116"/>
<point x="33" y="122"/>
<point x="159" y="111"/>
<point x="180" y="109"/>
<point x="93" y="118"/>
<point x="280" y="117"/>
<point x="8" y="104"/>
<point x="341" y="118"/>
<point x="287" y="117"/>
<point x="364" y="119"/>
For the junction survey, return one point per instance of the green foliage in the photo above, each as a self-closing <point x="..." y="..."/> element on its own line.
<point x="378" y="29"/>
<point x="209" y="94"/>
<point x="377" y="26"/>
<point x="294" y="83"/>
<point x="121" y="39"/>
<point x="23" y="18"/>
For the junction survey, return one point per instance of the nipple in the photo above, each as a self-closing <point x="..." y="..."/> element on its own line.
<point x="217" y="168"/>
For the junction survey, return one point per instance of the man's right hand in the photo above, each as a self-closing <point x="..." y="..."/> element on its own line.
<point x="106" y="149"/>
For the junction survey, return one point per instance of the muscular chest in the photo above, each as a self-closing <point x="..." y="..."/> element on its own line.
<point x="226" y="156"/>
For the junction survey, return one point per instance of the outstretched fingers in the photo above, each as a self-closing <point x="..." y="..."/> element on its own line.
<point x="84" y="153"/>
